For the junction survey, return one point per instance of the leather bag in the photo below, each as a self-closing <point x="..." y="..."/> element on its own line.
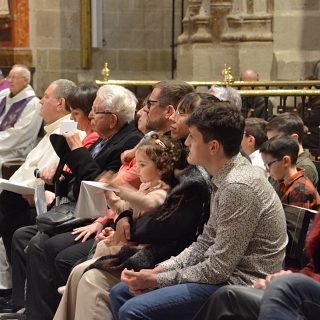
<point x="60" y="219"/>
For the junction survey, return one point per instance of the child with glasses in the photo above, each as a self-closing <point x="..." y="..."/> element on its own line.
<point x="279" y="155"/>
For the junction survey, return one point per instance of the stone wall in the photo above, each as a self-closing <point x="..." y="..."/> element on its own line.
<point x="137" y="36"/>
<point x="276" y="38"/>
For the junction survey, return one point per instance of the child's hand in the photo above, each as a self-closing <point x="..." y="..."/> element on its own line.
<point x="107" y="177"/>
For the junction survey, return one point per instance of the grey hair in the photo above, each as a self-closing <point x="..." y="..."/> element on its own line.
<point x="226" y="94"/>
<point x="63" y="89"/>
<point x="25" y="72"/>
<point x="118" y="100"/>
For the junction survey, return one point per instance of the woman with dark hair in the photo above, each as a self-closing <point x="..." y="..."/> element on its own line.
<point x="80" y="103"/>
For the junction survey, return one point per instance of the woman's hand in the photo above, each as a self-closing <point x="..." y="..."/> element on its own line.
<point x="104" y="234"/>
<point x="87" y="231"/>
<point x="123" y="231"/>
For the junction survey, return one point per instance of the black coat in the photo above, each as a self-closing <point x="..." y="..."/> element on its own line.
<point x="84" y="167"/>
<point x="171" y="236"/>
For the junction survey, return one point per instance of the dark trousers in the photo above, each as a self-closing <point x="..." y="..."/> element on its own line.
<point x="42" y="298"/>
<point x="15" y="213"/>
<point x="61" y="253"/>
<point x="232" y="303"/>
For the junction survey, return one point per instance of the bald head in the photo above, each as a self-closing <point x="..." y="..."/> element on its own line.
<point x="249" y="75"/>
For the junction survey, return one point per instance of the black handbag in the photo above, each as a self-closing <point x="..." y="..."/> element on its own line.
<point x="60" y="219"/>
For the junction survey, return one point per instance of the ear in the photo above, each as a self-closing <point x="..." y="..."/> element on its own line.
<point x="62" y="104"/>
<point x="214" y="146"/>
<point x="287" y="161"/>
<point x="26" y="81"/>
<point x="251" y="141"/>
<point x="114" y="121"/>
<point x="161" y="172"/>
<point x="295" y="136"/>
<point x="169" y="111"/>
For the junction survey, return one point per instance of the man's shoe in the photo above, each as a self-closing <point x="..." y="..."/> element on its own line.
<point x="9" y="308"/>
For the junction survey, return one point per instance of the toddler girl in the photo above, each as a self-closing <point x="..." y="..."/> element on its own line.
<point x="156" y="160"/>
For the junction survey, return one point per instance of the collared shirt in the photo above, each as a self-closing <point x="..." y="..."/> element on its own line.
<point x="304" y="162"/>
<point x="245" y="237"/>
<point x="256" y="160"/>
<point x="299" y="191"/>
<point x="43" y="155"/>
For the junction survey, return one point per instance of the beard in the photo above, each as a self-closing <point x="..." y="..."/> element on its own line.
<point x="157" y="125"/>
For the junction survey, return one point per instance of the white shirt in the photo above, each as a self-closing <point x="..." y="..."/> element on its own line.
<point x="18" y="141"/>
<point x="43" y="155"/>
<point x="257" y="161"/>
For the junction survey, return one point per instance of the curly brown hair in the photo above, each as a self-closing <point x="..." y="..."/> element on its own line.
<point x="163" y="151"/>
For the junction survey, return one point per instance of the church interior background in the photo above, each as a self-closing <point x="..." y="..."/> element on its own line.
<point x="160" y="39"/>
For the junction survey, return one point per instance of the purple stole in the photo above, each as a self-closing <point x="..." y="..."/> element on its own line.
<point x="13" y="113"/>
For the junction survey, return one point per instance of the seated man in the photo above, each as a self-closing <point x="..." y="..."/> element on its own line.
<point x="15" y="211"/>
<point x="255" y="134"/>
<point x="254" y="107"/>
<point x="292" y="124"/>
<point x="283" y="295"/>
<point x="19" y="116"/>
<point x="245" y="235"/>
<point x="112" y="118"/>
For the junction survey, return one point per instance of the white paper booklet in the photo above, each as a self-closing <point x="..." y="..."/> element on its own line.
<point x="15" y="187"/>
<point x="91" y="201"/>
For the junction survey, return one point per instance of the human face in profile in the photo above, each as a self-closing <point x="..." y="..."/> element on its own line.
<point x="178" y="127"/>
<point x="146" y="168"/>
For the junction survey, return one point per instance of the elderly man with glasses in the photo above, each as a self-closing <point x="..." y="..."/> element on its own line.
<point x="19" y="116"/>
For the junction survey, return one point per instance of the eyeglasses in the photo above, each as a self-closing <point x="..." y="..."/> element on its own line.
<point x="268" y="165"/>
<point x="100" y="112"/>
<point x="247" y="135"/>
<point x="14" y="78"/>
<point x="149" y="103"/>
<point x="175" y="116"/>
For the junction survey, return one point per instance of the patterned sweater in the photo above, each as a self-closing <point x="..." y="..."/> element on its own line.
<point x="245" y="237"/>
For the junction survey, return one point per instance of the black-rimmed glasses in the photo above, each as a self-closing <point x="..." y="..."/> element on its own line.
<point x="149" y="105"/>
<point x="268" y="165"/>
<point x="100" y="112"/>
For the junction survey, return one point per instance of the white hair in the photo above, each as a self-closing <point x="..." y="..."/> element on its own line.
<point x="226" y="94"/>
<point x="25" y="72"/>
<point x="118" y="100"/>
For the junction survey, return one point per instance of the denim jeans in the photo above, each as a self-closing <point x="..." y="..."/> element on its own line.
<point x="176" y="302"/>
<point x="291" y="296"/>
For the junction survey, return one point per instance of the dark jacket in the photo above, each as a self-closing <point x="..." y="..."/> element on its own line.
<point x="172" y="235"/>
<point x="311" y="118"/>
<point x="84" y="167"/>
